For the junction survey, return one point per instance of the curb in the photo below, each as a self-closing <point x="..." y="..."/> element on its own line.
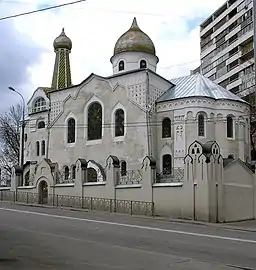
<point x="157" y="218"/>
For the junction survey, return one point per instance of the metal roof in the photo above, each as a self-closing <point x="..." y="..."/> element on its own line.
<point x="197" y="86"/>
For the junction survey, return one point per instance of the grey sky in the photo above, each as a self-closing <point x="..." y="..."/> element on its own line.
<point x="17" y="53"/>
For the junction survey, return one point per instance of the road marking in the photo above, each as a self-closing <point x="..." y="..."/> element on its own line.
<point x="133" y="226"/>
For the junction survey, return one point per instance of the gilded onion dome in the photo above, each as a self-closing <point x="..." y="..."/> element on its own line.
<point x="134" y="40"/>
<point x="62" y="42"/>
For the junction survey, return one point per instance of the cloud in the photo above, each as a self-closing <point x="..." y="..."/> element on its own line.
<point x="17" y="54"/>
<point x="94" y="27"/>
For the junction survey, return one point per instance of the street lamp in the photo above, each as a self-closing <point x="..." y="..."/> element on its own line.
<point x="22" y="132"/>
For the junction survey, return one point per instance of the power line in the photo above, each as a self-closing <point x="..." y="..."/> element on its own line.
<point x="143" y="124"/>
<point x="181" y="64"/>
<point x="40" y="10"/>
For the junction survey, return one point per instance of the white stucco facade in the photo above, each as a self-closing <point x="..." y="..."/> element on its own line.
<point x="132" y="115"/>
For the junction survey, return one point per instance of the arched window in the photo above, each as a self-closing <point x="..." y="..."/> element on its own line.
<point x="119" y="123"/>
<point x="74" y="172"/>
<point x="91" y="175"/>
<point x="143" y="64"/>
<point x="71" y="130"/>
<point x="121" y="65"/>
<point x="39" y="105"/>
<point x="201" y="127"/>
<point x="167" y="164"/>
<point x="43" y="148"/>
<point x="66" y="173"/>
<point x="37" y="148"/>
<point x="166" y="128"/>
<point x="26" y="178"/>
<point x="41" y="124"/>
<point x="94" y="121"/>
<point x="123" y="168"/>
<point x="230" y="127"/>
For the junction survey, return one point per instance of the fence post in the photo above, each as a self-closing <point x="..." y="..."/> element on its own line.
<point x="1" y="195"/>
<point x="114" y="205"/>
<point x="91" y="202"/>
<point x="14" y="196"/>
<point x="27" y="197"/>
<point x="110" y="206"/>
<point x="153" y="209"/>
<point x="131" y="208"/>
<point x="57" y="200"/>
<point x="82" y="202"/>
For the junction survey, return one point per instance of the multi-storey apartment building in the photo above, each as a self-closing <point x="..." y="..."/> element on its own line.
<point x="227" y="51"/>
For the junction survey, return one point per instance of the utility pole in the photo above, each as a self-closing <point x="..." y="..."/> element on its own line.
<point x="22" y="134"/>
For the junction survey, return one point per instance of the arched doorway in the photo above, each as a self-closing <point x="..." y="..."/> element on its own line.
<point x="43" y="192"/>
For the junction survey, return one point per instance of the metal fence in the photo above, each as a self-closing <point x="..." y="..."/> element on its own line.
<point x="90" y="203"/>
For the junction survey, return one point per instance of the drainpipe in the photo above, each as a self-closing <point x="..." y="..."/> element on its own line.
<point x="148" y="109"/>
<point x="48" y="129"/>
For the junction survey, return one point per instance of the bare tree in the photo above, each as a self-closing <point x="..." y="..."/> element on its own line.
<point x="10" y="123"/>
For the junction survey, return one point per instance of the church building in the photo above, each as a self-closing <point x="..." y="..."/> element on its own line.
<point x="131" y="114"/>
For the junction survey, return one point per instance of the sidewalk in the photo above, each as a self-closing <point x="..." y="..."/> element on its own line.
<point x="248" y="225"/>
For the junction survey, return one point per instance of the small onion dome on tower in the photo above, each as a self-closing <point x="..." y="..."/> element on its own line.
<point x="134" y="40"/>
<point x="62" y="42"/>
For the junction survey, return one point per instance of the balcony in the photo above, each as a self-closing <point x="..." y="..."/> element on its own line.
<point x="247" y="48"/>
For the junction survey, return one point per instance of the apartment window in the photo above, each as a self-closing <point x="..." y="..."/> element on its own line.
<point x="233" y="64"/>
<point x="220" y="41"/>
<point x="213" y="77"/>
<point x="231" y="2"/>
<point x="232" y="26"/>
<point x="234" y="77"/>
<point x="235" y="90"/>
<point x="224" y="83"/>
<point x="220" y="66"/>
<point x="221" y="35"/>
<point x="219" y="24"/>
<point x="221" y="72"/>
<point x="232" y="13"/>
<point x="246" y="29"/>
<point x="233" y="51"/>
<point x="232" y="39"/>
<point x="221" y="48"/>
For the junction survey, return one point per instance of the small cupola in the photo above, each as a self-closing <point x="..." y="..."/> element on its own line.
<point x="134" y="50"/>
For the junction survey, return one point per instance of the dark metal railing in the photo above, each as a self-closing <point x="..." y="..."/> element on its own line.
<point x="90" y="203"/>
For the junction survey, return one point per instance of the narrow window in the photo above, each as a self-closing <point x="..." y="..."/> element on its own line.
<point x="143" y="64"/>
<point x="230" y="127"/>
<point x="123" y="168"/>
<point x="66" y="173"/>
<point x="71" y="130"/>
<point x="166" y="128"/>
<point x="121" y="66"/>
<point x="167" y="164"/>
<point x="37" y="148"/>
<point x="41" y="124"/>
<point x="201" y="128"/>
<point x="25" y="137"/>
<point x="119" y="123"/>
<point x="74" y="172"/>
<point x="94" y="121"/>
<point x="91" y="175"/>
<point x="43" y="148"/>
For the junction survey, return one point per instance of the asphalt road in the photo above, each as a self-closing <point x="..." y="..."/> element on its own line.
<point x="49" y="238"/>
